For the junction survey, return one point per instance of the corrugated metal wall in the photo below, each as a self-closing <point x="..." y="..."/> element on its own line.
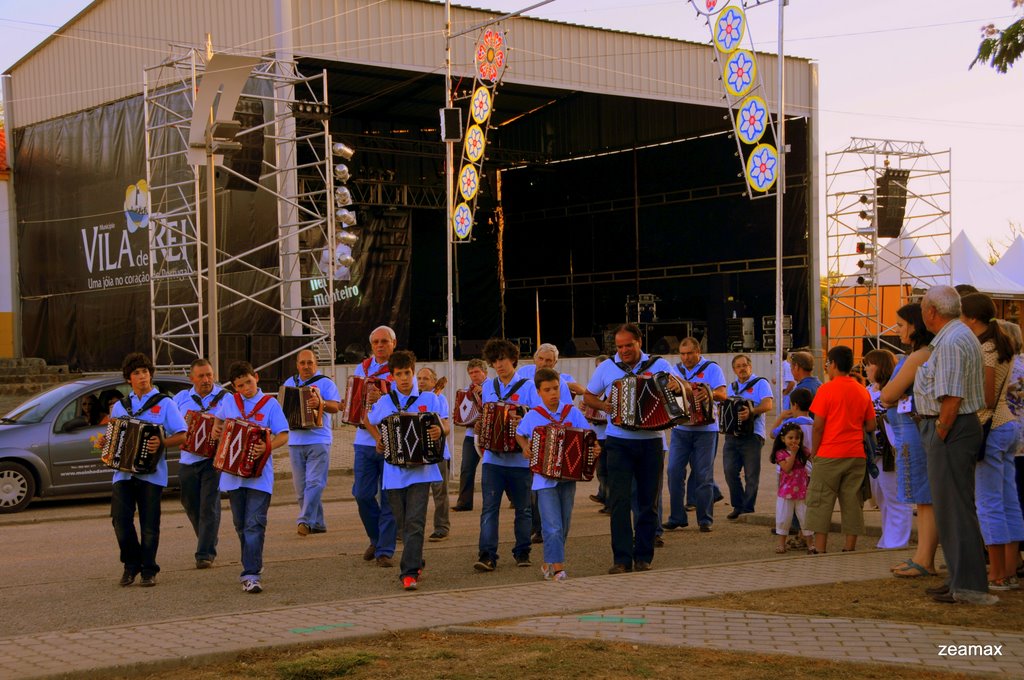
<point x="100" y="57"/>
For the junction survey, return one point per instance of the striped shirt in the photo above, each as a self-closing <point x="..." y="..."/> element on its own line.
<point x="954" y="369"/>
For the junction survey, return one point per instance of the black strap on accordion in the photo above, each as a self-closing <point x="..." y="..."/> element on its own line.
<point x="213" y="402"/>
<point x="738" y="391"/>
<point x="126" y="403"/>
<point x="512" y="390"/>
<point x="697" y="370"/>
<point x="643" y="366"/>
<point x="394" y="400"/>
<point x="315" y="378"/>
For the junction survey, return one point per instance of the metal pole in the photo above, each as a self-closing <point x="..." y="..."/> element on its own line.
<point x="780" y="138"/>
<point x="211" y="254"/>
<point x="449" y="165"/>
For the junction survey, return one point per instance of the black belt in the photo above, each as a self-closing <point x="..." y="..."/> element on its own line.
<point x="917" y="417"/>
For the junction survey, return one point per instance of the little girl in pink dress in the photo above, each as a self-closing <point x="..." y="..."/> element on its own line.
<point x="790" y="455"/>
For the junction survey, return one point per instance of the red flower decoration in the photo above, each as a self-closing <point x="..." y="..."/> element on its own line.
<point x="490" y="56"/>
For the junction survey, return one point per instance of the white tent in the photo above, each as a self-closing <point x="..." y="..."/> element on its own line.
<point x="970" y="267"/>
<point x="1011" y="264"/>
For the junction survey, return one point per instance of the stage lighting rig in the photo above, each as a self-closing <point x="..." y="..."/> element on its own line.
<point x="310" y="111"/>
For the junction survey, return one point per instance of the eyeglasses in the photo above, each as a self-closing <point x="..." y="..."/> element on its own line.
<point x="828" y="362"/>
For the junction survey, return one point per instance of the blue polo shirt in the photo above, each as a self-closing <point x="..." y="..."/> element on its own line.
<point x="270" y="416"/>
<point x="364" y="438"/>
<point x="166" y="414"/>
<point x="316" y="435"/>
<point x="535" y="419"/>
<point x="526" y="396"/>
<point x="188" y="400"/>
<point x="396" y="477"/>
<point x="607" y="373"/>
<point x="755" y="393"/>
<point x="810" y="383"/>
<point x="708" y="373"/>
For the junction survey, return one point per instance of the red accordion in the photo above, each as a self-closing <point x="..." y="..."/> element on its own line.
<point x="355" y="397"/>
<point x="645" y="403"/>
<point x="236" y="453"/>
<point x="496" y="428"/>
<point x="467" y="408"/>
<point x="593" y="415"/>
<point x="701" y="412"/>
<point x="566" y="453"/>
<point x="197" y="440"/>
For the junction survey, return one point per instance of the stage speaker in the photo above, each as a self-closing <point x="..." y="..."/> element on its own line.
<point x="231" y="347"/>
<point x="451" y="125"/>
<point x="469" y="349"/>
<point x="891" y="201"/>
<point x="247" y="161"/>
<point x="668" y="344"/>
<point x="584" y="347"/>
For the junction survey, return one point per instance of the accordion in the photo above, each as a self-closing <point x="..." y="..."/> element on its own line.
<point x="405" y="441"/>
<point x="496" y="429"/>
<point x="730" y="418"/>
<point x="701" y="412"/>
<point x="467" y="408"/>
<point x="197" y="440"/>
<point x="645" y="403"/>
<point x="355" y="397"/>
<point x="592" y="415"/>
<point x="300" y="415"/>
<point x="565" y="453"/>
<point x="236" y="453"/>
<point x="124" y="446"/>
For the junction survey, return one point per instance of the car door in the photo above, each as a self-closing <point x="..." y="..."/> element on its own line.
<point x="75" y="464"/>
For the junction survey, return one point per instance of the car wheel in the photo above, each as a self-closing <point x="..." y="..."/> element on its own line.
<point x="17" y="487"/>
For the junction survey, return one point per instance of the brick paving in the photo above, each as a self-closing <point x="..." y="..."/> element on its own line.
<point x="614" y="607"/>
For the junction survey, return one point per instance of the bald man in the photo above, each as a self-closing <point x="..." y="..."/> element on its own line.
<point x="310" y="450"/>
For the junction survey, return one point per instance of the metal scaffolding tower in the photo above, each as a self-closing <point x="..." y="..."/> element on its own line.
<point x="881" y="254"/>
<point x="293" y="167"/>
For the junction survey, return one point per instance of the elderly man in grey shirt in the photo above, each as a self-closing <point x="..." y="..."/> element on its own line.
<point x="948" y="391"/>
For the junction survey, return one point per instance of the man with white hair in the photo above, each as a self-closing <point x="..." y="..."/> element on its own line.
<point x="546" y="356"/>
<point x="368" y="467"/>
<point x="948" y="393"/>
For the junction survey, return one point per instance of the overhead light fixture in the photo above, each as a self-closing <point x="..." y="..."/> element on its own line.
<point x="865" y="248"/>
<point x="342" y="197"/>
<point x="346" y="261"/>
<point x="865" y="231"/>
<point x="341" y="173"/>
<point x="310" y="110"/>
<point x="346" y="217"/>
<point x="865" y="264"/>
<point x="347" y="237"/>
<point x="866" y="281"/>
<point x="343" y="150"/>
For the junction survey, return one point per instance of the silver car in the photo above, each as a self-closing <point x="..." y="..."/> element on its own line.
<point x="47" y="444"/>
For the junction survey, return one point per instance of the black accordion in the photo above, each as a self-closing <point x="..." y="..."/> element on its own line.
<point x="729" y="417"/>
<point x="124" y="446"/>
<point x="646" y="403"/>
<point x="405" y="440"/>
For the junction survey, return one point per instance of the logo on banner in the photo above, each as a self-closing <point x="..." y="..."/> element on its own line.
<point x="136" y="206"/>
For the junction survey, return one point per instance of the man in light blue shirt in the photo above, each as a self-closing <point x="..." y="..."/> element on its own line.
<point x="133" y="490"/>
<point x="310" y="449"/>
<point x="743" y="452"/>
<point x="199" y="480"/>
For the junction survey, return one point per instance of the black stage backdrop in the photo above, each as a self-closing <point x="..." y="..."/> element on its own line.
<point x="83" y="234"/>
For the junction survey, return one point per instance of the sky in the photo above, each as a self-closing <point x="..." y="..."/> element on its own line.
<point x="888" y="70"/>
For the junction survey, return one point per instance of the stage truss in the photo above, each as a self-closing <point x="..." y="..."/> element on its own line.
<point x="867" y="282"/>
<point x="299" y="177"/>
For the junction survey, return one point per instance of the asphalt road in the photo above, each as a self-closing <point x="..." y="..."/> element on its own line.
<point x="60" y="561"/>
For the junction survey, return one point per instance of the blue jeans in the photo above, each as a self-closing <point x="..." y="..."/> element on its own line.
<point x="411" y="503"/>
<point x="996" y="491"/>
<point x="556" y="514"/>
<point x="200" y="496"/>
<point x="309" y="475"/>
<point x="127" y="496"/>
<point x="742" y="453"/>
<point x="496" y="480"/>
<point x="696" y="449"/>
<point x="628" y="460"/>
<point x="249" y="512"/>
<point x="378" y="521"/>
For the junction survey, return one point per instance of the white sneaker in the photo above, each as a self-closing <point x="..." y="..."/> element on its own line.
<point x="974" y="597"/>
<point x="560" y="576"/>
<point x="251" y="585"/>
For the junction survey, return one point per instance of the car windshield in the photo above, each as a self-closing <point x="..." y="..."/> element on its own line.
<point x="36" y="408"/>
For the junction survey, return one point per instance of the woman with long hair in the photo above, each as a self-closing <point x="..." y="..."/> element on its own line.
<point x="911" y="460"/>
<point x="995" y="489"/>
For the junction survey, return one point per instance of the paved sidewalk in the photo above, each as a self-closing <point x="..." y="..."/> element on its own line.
<point x="172" y="642"/>
<point x="835" y="639"/>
